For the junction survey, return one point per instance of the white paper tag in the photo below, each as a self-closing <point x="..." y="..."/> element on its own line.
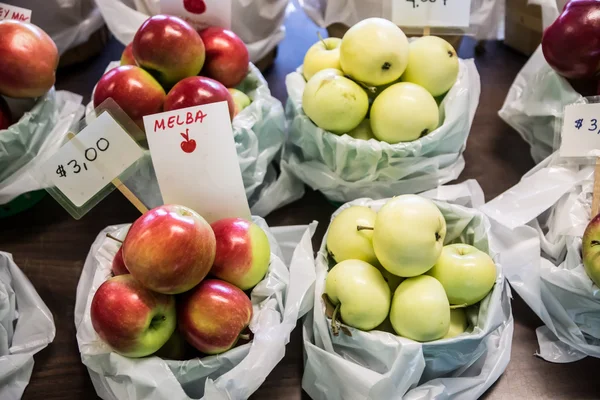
<point x="196" y="162"/>
<point x="13" y="12"/>
<point x="432" y="13"/>
<point x="580" y="135"/>
<point x="91" y="160"/>
<point x="200" y="13"/>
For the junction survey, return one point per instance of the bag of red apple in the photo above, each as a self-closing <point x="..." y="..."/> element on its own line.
<point x="378" y="364"/>
<point x="40" y="129"/>
<point x="554" y="201"/>
<point x="278" y="301"/>
<point x="26" y="327"/>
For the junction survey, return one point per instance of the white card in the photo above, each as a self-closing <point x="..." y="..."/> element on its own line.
<point x="196" y="162"/>
<point x="431" y="13"/>
<point x="13" y="12"/>
<point x="200" y="13"/>
<point x="91" y="160"/>
<point x="580" y="135"/>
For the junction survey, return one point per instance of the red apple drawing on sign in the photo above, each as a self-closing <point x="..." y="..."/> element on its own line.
<point x="188" y="145"/>
<point x="194" y="6"/>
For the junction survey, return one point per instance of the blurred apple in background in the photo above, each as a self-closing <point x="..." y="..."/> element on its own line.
<point x="363" y="131"/>
<point x="322" y="55"/>
<point x="169" y="48"/>
<point x="118" y="265"/>
<point x="133" y="89"/>
<point x="131" y="319"/>
<point x="345" y="241"/>
<point x="590" y="247"/>
<point x="243" y="252"/>
<point x="28" y="60"/>
<point x="240" y="99"/>
<point x="432" y="63"/>
<point x="5" y="114"/>
<point x="226" y="56"/>
<point x="403" y="112"/>
<point x="213" y="316"/>
<point x="198" y="90"/>
<point x="334" y="102"/>
<point x="458" y="323"/>
<point x="170" y="249"/>
<point x="127" y="56"/>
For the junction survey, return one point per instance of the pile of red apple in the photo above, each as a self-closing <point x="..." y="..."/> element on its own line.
<point x="169" y="66"/>
<point x="28" y="61"/>
<point x="178" y="279"/>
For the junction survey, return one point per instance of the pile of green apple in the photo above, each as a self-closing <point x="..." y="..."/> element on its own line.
<point x="393" y="263"/>
<point x="373" y="84"/>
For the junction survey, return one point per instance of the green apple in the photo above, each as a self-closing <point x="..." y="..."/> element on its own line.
<point x="240" y="99"/>
<point x="420" y="309"/>
<point x="404" y="112"/>
<point x="590" y="247"/>
<point x="392" y="280"/>
<point x="374" y="51"/>
<point x="409" y="235"/>
<point x="458" y="323"/>
<point x="334" y="102"/>
<point x="322" y="55"/>
<point x="362" y="131"/>
<point x="433" y="64"/>
<point x="467" y="273"/>
<point x="345" y="241"/>
<point x="361" y="292"/>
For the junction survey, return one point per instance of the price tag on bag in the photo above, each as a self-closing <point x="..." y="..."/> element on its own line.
<point x="13" y="12"/>
<point x="200" y="13"/>
<point x="431" y="13"/>
<point x="580" y="134"/>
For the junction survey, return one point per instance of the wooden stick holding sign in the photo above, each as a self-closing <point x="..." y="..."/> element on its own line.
<point x="596" y="193"/>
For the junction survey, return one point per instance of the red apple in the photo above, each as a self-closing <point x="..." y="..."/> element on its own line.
<point x="118" y="265"/>
<point x="243" y="252"/>
<point x="28" y="60"/>
<point x="5" y="114"/>
<point x="213" y="315"/>
<point x="127" y="56"/>
<point x="131" y="319"/>
<point x="226" y="56"/>
<point x="198" y="90"/>
<point x="194" y="6"/>
<point x="170" y="249"/>
<point x="169" y="48"/>
<point x="133" y="89"/>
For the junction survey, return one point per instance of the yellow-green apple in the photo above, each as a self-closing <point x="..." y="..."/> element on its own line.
<point x="590" y="247"/>
<point x="170" y="249"/>
<point x="28" y="60"/>
<point x="408" y="235"/>
<point x="363" y="131"/>
<point x="240" y="100"/>
<point x="420" y="309"/>
<point x="432" y="64"/>
<point x="226" y="56"/>
<point x="403" y="112"/>
<point x="322" y="55"/>
<point x="133" y="89"/>
<point x="176" y="348"/>
<point x="133" y="320"/>
<point x="361" y="293"/>
<point x="458" y="323"/>
<point x="213" y="316"/>
<point x="198" y="90"/>
<point x="5" y="114"/>
<point x="334" y="102"/>
<point x="127" y="56"/>
<point x="243" y="252"/>
<point x="345" y="241"/>
<point x="169" y="48"/>
<point x="374" y="51"/>
<point x="118" y="265"/>
<point x="466" y="273"/>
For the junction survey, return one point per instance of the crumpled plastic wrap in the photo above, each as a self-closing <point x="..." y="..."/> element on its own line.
<point x="259" y="23"/>
<point x="36" y="136"/>
<point x="26" y="327"/>
<point x="381" y="365"/>
<point x="554" y="200"/>
<point x="344" y="168"/>
<point x="282" y="297"/>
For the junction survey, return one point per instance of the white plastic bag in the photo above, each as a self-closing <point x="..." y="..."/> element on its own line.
<point x="381" y="365"/>
<point x="554" y="199"/>
<point x="258" y="23"/>
<point x="278" y="301"/>
<point x="344" y="168"/>
<point x="26" y="327"/>
<point x="36" y="136"/>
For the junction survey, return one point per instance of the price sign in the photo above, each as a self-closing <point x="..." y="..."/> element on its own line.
<point x="13" y="12"/>
<point x="580" y="135"/>
<point x="431" y="13"/>
<point x="196" y="161"/>
<point x="200" y="13"/>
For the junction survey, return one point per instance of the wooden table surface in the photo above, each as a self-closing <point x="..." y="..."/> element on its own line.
<point x="50" y="247"/>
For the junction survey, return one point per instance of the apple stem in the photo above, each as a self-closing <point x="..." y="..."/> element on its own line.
<point x="244" y="336"/>
<point x="364" y="228"/>
<point x="108" y="235"/>
<point x="371" y="89"/>
<point x="334" y="327"/>
<point x="454" y="307"/>
<point x="322" y="40"/>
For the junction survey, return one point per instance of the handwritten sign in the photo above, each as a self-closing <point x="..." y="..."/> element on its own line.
<point x="580" y="135"/>
<point x="13" y="12"/>
<point x="431" y="13"/>
<point x="200" y="13"/>
<point x="196" y="162"/>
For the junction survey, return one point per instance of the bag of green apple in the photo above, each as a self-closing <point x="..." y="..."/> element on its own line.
<point x="281" y="298"/>
<point x="554" y="201"/>
<point x="380" y="365"/>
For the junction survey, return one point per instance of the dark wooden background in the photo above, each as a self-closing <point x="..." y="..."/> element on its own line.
<point x="50" y="247"/>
